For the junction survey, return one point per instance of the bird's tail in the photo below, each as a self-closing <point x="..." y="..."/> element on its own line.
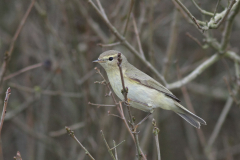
<point x="189" y="116"/>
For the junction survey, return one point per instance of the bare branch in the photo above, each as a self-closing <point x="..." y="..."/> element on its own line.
<point x="214" y="58"/>
<point x="172" y="43"/>
<point x="228" y="26"/>
<point x="115" y="146"/>
<point x="46" y="92"/>
<point x="219" y="18"/>
<point x="128" y="17"/>
<point x="220" y="122"/>
<point x="8" y="93"/>
<point x="109" y="45"/>
<point x="125" y="92"/>
<point x="156" y="132"/>
<point x="194" y="39"/>
<point x="202" y="10"/>
<point x="102" y="105"/>
<point x="109" y="150"/>
<point x="63" y="131"/>
<point x="127" y="44"/>
<point x="8" y="54"/>
<point x="137" y="36"/>
<point x="22" y="71"/>
<point x="115" y="150"/>
<point x="71" y="133"/>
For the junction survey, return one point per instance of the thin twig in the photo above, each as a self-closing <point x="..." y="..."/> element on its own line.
<point x="101" y="8"/>
<point x="127" y="44"/>
<point x="109" y="150"/>
<point x="137" y="36"/>
<point x="212" y="23"/>
<point x="202" y="10"/>
<point x="115" y="146"/>
<point x="22" y="71"/>
<point x="196" y="22"/>
<point x="128" y="17"/>
<point x="119" y="108"/>
<point x="109" y="45"/>
<point x="8" y="54"/>
<point x="125" y="92"/>
<point x="230" y="90"/>
<point x="102" y="105"/>
<point x="63" y="131"/>
<point x="108" y="86"/>
<point x="214" y="58"/>
<point x="194" y="39"/>
<point x="115" y="150"/>
<point x="224" y="16"/>
<point x="172" y="43"/>
<point x="92" y="24"/>
<point x="215" y="11"/>
<point x="85" y="77"/>
<point x="71" y="133"/>
<point x="190" y="107"/>
<point x="228" y="27"/>
<point x="8" y="93"/>
<point x="150" y="32"/>
<point x="219" y="123"/>
<point x="156" y="132"/>
<point x="46" y="92"/>
<point x="114" y="115"/>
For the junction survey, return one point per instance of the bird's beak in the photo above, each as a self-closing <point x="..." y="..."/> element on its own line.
<point x="98" y="61"/>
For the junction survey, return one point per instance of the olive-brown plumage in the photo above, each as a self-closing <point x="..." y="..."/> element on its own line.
<point x="144" y="92"/>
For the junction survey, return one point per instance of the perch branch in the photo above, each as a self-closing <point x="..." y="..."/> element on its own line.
<point x="125" y="92"/>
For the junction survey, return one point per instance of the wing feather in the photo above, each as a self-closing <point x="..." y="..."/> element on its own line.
<point x="144" y="79"/>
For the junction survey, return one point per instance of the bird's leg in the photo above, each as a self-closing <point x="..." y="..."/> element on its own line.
<point x="144" y="119"/>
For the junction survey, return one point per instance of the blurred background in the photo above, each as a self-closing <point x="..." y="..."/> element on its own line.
<point x="52" y="77"/>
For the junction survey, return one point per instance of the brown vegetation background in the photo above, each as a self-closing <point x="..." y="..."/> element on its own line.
<point x="46" y="54"/>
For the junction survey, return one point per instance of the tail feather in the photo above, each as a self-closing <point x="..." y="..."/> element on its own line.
<point x="189" y="116"/>
<point x="190" y="120"/>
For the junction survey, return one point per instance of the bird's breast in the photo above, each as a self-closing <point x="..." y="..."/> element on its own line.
<point x="143" y="97"/>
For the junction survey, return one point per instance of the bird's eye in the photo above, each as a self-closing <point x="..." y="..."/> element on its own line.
<point x="110" y="58"/>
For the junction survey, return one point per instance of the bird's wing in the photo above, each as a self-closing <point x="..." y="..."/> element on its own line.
<point x="144" y="79"/>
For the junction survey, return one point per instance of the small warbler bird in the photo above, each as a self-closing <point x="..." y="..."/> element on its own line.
<point x="144" y="92"/>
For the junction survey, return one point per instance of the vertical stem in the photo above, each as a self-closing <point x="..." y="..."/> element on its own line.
<point x="2" y="118"/>
<point x="155" y="132"/>
<point x="105" y="141"/>
<point x="125" y="92"/>
<point x="172" y="43"/>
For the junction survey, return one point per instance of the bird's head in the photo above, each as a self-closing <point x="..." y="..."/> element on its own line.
<point x="109" y="60"/>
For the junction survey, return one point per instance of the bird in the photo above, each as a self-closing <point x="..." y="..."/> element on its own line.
<point x="144" y="93"/>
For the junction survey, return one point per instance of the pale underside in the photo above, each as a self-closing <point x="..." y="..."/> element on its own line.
<point x="140" y="96"/>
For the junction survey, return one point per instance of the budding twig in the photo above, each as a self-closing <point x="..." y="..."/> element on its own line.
<point x="71" y="133"/>
<point x="155" y="132"/>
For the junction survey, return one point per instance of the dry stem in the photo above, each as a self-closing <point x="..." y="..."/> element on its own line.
<point x="71" y="133"/>
<point x="8" y="54"/>
<point x="5" y="108"/>
<point x="125" y="92"/>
